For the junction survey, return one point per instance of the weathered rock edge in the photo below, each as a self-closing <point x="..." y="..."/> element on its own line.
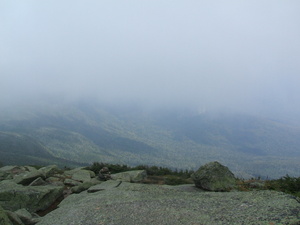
<point x="130" y="203"/>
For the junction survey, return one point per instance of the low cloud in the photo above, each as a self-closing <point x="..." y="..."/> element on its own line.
<point x="237" y="55"/>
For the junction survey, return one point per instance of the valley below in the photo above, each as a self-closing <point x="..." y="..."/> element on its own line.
<point x="83" y="133"/>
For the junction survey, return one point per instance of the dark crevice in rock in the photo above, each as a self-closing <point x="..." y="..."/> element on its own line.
<point x="52" y="207"/>
<point x="55" y="204"/>
<point x="119" y="184"/>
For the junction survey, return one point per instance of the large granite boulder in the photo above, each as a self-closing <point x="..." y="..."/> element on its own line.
<point x="214" y="177"/>
<point x="34" y="198"/>
<point x="130" y="176"/>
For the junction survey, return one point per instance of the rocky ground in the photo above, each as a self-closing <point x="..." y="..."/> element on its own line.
<point x="25" y="191"/>
<point x="152" y="204"/>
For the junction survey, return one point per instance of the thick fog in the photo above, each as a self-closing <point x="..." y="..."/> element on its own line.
<point x="241" y="55"/>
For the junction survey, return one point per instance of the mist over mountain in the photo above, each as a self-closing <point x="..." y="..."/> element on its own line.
<point x="239" y="56"/>
<point x="169" y="83"/>
<point x="178" y="139"/>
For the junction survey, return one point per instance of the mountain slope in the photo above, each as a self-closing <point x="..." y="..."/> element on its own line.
<point x="249" y="146"/>
<point x="242" y="133"/>
<point x="20" y="149"/>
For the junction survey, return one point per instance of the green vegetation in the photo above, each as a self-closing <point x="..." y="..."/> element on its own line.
<point x="158" y="175"/>
<point x="287" y="184"/>
<point x="151" y="170"/>
<point x="164" y="175"/>
<point x="113" y="168"/>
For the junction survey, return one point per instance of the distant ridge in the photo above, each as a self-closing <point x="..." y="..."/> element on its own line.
<point x="86" y="133"/>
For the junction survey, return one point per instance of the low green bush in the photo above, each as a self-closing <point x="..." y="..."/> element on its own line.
<point x="287" y="184"/>
<point x="175" y="180"/>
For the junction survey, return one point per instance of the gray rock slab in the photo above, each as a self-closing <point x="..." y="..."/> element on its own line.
<point x="38" y="182"/>
<point x="49" y="171"/>
<point x="30" y="168"/>
<point x="84" y="186"/>
<point x="71" y="172"/>
<point x="8" y="172"/>
<point x="82" y="175"/>
<point x="130" y="204"/>
<point x="104" y="186"/>
<point x="92" y="173"/>
<point x="13" y="169"/>
<point x="4" y="220"/>
<point x="27" y="177"/>
<point x="130" y="176"/>
<point x="71" y="182"/>
<point x="53" y="179"/>
<point x="24" y="215"/>
<point x="14" y="218"/>
<point x="14" y="196"/>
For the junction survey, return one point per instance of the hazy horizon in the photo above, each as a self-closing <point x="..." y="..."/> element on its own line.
<point x="206" y="55"/>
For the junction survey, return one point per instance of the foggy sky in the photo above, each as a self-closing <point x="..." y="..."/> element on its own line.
<point x="207" y="54"/>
